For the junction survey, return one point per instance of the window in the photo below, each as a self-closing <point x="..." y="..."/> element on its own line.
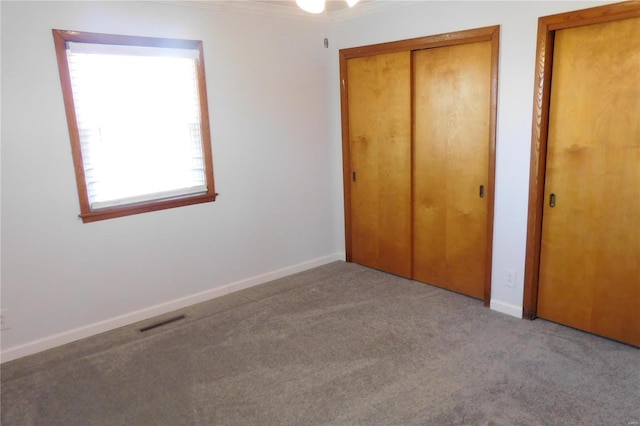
<point x="138" y="122"/>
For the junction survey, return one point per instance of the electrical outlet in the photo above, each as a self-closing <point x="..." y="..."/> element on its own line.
<point x="4" y="320"/>
<point x="509" y="278"/>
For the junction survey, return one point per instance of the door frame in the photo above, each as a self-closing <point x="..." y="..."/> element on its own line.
<point x="492" y="34"/>
<point x="547" y="26"/>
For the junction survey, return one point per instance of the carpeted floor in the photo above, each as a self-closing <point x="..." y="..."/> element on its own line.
<point x="336" y="345"/>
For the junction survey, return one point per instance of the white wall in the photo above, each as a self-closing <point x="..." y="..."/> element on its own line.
<point x="518" y="21"/>
<point x="275" y="114"/>
<point x="267" y="81"/>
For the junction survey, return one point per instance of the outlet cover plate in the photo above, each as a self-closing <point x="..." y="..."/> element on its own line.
<point x="4" y="320"/>
<point x="509" y="278"/>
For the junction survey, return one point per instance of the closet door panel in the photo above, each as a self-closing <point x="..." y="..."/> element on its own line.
<point x="379" y="98"/>
<point x="590" y="250"/>
<point x="451" y="153"/>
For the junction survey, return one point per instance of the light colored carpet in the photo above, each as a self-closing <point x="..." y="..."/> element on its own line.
<point x="336" y="345"/>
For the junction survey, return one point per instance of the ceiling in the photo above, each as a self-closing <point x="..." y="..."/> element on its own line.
<point x="336" y="10"/>
<point x="331" y="5"/>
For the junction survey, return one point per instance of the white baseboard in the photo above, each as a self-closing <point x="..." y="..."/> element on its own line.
<point x="69" y="336"/>
<point x="506" y="308"/>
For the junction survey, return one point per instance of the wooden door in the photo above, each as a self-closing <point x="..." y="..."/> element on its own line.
<point x="452" y="101"/>
<point x="379" y="115"/>
<point x="589" y="276"/>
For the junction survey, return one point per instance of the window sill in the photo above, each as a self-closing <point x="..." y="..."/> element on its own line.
<point x="120" y="211"/>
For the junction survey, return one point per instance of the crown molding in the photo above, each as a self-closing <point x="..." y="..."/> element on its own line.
<point x="247" y="7"/>
<point x="275" y="10"/>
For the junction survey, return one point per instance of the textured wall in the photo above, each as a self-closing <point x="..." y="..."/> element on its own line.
<point x="275" y="113"/>
<point x="267" y="80"/>
<point x="518" y="21"/>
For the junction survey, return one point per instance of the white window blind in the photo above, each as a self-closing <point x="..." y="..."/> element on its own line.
<point x="138" y="116"/>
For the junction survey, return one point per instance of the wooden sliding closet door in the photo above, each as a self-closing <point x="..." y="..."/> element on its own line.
<point x="452" y="101"/>
<point x="589" y="275"/>
<point x="379" y="94"/>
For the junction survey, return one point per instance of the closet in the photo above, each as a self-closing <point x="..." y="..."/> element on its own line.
<point x="588" y="238"/>
<point x="418" y="148"/>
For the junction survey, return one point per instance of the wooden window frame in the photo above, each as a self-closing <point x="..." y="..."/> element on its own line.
<point x="547" y="26"/>
<point x="87" y="214"/>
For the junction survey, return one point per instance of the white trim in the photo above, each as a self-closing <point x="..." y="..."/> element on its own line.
<point x="248" y="7"/>
<point x="69" y="336"/>
<point x="506" y="308"/>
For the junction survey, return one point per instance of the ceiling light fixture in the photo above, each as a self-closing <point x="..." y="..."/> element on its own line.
<point x="317" y="6"/>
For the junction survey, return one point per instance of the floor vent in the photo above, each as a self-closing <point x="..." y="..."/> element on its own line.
<point x="162" y="323"/>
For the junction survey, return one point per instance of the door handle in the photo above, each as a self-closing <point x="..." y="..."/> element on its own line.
<point x="481" y="191"/>
<point x="552" y="200"/>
